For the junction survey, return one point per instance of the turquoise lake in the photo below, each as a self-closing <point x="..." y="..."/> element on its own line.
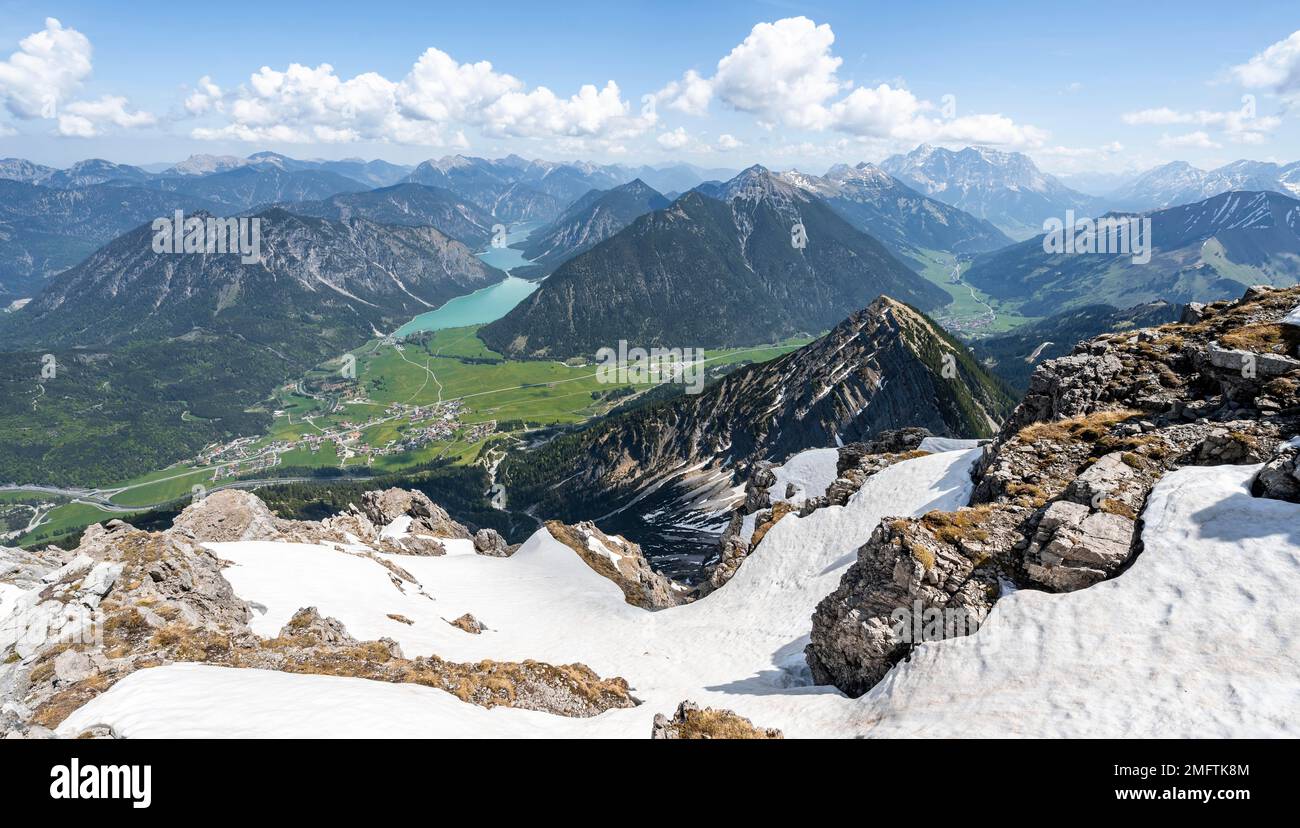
<point x="488" y="304"/>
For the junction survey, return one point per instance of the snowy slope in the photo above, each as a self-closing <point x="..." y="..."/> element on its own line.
<point x="741" y="647"/>
<point x="810" y="472"/>
<point x="1200" y="637"/>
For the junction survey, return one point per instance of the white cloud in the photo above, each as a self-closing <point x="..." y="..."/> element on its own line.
<point x="887" y="112"/>
<point x="1194" y="140"/>
<point x="674" y="140"/>
<point x="41" y="78"/>
<point x="879" y="112"/>
<point x="783" y="72"/>
<point x="1276" y="68"/>
<point x="691" y="94"/>
<point x="49" y="66"/>
<point x="728" y="142"/>
<point x="541" y="113"/>
<point x="205" y="98"/>
<point x="305" y="104"/>
<point x="87" y="118"/>
<point x="1243" y="126"/>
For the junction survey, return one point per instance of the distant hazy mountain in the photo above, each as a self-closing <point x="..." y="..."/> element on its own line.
<point x="1097" y="183"/>
<point x="373" y="173"/>
<point x="880" y="368"/>
<point x="709" y="272"/>
<point x="207" y="164"/>
<point x="896" y="215"/>
<point x="1006" y="188"/>
<point x="590" y="220"/>
<point x="516" y="189"/>
<point x="675" y="178"/>
<point x="95" y="171"/>
<point x="1014" y="356"/>
<point x="1212" y="249"/>
<point x="412" y="205"/>
<point x="1180" y="183"/>
<point x="46" y="230"/>
<point x="254" y="185"/>
<point x="19" y="169"/>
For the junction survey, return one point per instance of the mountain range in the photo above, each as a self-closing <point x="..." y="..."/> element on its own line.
<point x="412" y="205"/>
<point x="588" y="221"/>
<point x="45" y="230"/>
<point x="1180" y="183"/>
<point x="711" y="272"/>
<point x="1212" y="249"/>
<point x="160" y="354"/>
<point x="906" y="222"/>
<point x="1006" y="188"/>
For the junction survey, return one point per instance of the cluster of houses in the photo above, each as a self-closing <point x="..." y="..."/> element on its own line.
<point x="428" y="424"/>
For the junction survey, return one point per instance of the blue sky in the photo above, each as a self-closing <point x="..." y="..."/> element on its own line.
<point x="1109" y="86"/>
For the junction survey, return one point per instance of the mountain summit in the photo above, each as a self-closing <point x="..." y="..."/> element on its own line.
<point x="760" y="261"/>
<point x="1006" y="188"/>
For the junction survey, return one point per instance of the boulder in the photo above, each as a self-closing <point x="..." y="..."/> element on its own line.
<point x="490" y="542"/>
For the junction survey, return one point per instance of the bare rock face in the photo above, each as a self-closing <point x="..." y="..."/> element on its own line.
<point x="468" y="623"/>
<point x="1280" y="477"/>
<point x="909" y="573"/>
<point x="489" y="542"/>
<point x="308" y="623"/>
<point x="427" y="517"/>
<point x="24" y="568"/>
<point x="235" y="515"/>
<point x="691" y="721"/>
<point x="229" y="515"/>
<point x="1058" y="493"/>
<point x="622" y="562"/>
<point x="1076" y="547"/>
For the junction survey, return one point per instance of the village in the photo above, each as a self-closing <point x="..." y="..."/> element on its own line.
<point x="424" y="425"/>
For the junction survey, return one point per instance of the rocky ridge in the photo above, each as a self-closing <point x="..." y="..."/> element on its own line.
<point x="1059" y="492"/>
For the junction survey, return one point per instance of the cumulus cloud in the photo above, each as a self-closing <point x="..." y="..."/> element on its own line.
<point x="41" y="79"/>
<point x="437" y="96"/>
<point x="785" y="74"/>
<point x="1276" y="68"/>
<point x="49" y="66"/>
<point x="729" y="142"/>
<point x="205" y="98"/>
<point x="690" y="95"/>
<point x="84" y="119"/>
<point x="674" y="140"/>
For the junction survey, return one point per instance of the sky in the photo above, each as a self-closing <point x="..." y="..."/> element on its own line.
<point x="1106" y="88"/>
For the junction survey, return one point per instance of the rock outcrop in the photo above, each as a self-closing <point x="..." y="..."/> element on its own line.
<point x="622" y="562"/>
<point x="854" y="464"/>
<point x="402" y="522"/>
<point x="691" y="721"/>
<point x="127" y="600"/>
<point x="1059" y="493"/>
<point x="1280" y="477"/>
